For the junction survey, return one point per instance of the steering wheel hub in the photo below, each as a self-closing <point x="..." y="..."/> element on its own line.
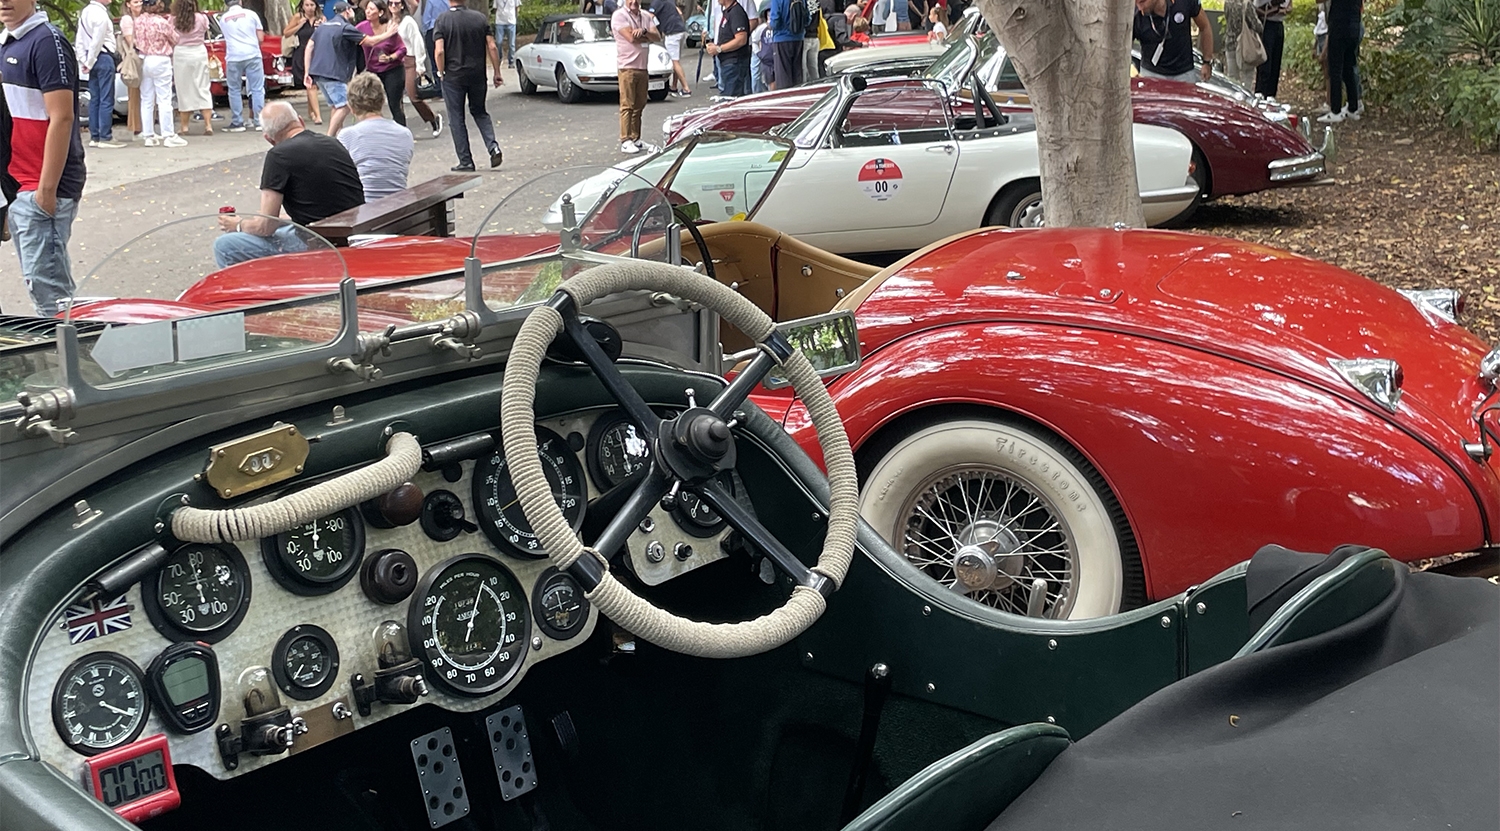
<point x="700" y="445"/>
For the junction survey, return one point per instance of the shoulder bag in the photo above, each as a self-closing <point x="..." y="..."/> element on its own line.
<point x="1252" y="50"/>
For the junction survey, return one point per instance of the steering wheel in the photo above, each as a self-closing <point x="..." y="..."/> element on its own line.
<point x="687" y="452"/>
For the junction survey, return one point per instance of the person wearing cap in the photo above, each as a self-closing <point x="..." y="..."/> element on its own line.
<point x="45" y="149"/>
<point x="242" y="32"/>
<point x="462" y="38"/>
<point x="332" y="55"/>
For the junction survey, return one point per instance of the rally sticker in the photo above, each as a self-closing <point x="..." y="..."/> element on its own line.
<point x="880" y="179"/>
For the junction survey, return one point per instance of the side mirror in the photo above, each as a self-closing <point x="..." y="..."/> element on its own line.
<point x="830" y="341"/>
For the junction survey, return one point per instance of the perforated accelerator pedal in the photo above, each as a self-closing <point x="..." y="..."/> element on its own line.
<point x="510" y="745"/>
<point x="444" y="794"/>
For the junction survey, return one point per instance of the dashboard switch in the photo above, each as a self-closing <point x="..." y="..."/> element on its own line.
<point x="682" y="551"/>
<point x="388" y="576"/>
<point x="401" y="506"/>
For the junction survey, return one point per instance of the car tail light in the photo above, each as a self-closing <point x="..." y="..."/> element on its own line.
<point x="1379" y="379"/>
<point x="1447" y="304"/>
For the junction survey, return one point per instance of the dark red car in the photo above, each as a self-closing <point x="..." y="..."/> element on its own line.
<point x="278" y="67"/>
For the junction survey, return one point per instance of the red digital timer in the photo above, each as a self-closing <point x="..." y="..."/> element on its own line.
<point x="136" y="780"/>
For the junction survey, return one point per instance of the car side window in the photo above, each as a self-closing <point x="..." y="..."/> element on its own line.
<point x="544" y="35"/>
<point x="893" y="116"/>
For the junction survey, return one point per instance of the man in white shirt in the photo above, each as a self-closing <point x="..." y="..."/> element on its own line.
<point x="95" y="45"/>
<point x="505" y="29"/>
<point x="242" y="32"/>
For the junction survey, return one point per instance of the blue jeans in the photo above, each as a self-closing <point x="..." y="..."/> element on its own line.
<point x="42" y="243"/>
<point x="255" y="72"/>
<point x="238" y="246"/>
<point x="102" y="98"/>
<point x="506" y="33"/>
<point x="734" y="77"/>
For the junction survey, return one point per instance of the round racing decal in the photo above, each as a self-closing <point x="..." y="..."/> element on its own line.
<point x="880" y="179"/>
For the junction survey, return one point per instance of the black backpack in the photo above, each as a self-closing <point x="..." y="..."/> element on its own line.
<point x="797" y="17"/>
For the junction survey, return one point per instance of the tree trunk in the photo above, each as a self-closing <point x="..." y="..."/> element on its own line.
<point x="1074" y="58"/>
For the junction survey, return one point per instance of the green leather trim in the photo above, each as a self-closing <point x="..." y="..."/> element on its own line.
<point x="34" y="797"/>
<point x="1350" y="590"/>
<point x="965" y="791"/>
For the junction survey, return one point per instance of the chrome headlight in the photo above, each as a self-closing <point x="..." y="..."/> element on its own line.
<point x="1447" y="304"/>
<point x="1489" y="368"/>
<point x="1379" y="379"/>
<point x="582" y="62"/>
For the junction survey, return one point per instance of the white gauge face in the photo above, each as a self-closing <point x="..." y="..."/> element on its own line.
<point x="100" y="703"/>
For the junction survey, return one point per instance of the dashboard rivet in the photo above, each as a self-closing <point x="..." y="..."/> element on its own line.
<point x="807" y="657"/>
<point x="647" y="525"/>
<point x="1052" y="643"/>
<point x="1166" y="621"/>
<point x="183" y="499"/>
<point x="1051" y="720"/>
<point x="931" y="687"/>
<point x="536" y="641"/>
<point x="1201" y="608"/>
<point x="926" y="610"/>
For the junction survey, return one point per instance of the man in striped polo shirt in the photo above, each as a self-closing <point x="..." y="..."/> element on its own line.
<point x="40" y="77"/>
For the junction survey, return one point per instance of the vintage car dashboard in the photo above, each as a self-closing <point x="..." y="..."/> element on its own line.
<point x="240" y="655"/>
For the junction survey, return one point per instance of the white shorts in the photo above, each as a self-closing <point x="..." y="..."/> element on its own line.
<point x="674" y="45"/>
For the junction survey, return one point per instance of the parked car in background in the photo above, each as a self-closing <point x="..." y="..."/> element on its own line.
<point x="575" y="53"/>
<point x="906" y="56"/>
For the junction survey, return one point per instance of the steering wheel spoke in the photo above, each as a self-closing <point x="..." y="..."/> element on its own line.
<point x="743" y="384"/>
<point x="604" y="369"/>
<point x="647" y="494"/>
<point x="745" y="522"/>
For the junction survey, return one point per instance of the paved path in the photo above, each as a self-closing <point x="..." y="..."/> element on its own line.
<point x="135" y="189"/>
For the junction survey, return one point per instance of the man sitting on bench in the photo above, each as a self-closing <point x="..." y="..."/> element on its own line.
<point x="308" y="174"/>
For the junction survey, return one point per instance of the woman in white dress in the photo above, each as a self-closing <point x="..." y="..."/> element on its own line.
<point x="190" y="66"/>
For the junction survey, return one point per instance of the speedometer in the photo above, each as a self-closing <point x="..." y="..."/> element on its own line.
<point x="499" y="508"/>
<point x="468" y="623"/>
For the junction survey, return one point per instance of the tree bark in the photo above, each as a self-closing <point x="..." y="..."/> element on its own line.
<point x="1074" y="58"/>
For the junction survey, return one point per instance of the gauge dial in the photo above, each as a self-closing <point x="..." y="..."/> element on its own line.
<point x="201" y="593"/>
<point x="499" y="507"/>
<point x="318" y="557"/>
<point x="694" y="516"/>
<point x="468" y="622"/>
<point x="618" y="450"/>
<point x="559" y="605"/>
<point x="305" y="662"/>
<point x="100" y="702"/>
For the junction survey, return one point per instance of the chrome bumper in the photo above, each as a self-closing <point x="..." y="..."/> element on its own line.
<point x="1185" y="193"/>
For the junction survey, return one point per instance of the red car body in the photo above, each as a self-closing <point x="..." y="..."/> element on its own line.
<point x="1145" y="352"/>
<point x="1237" y="149"/>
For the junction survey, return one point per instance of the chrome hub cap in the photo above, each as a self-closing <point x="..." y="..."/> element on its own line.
<point x="986" y="534"/>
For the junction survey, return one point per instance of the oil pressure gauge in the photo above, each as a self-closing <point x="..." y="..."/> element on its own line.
<point x="559" y="605"/>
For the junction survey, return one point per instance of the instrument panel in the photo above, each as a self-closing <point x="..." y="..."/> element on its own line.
<point x="229" y="633"/>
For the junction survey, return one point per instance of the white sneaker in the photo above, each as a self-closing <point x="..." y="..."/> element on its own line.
<point x="1330" y="118"/>
<point x="709" y="78"/>
<point x="107" y="144"/>
<point x="1355" y="113"/>
<point x="630" y="147"/>
<point x="646" y="147"/>
<point x="174" y="141"/>
<point x="151" y="141"/>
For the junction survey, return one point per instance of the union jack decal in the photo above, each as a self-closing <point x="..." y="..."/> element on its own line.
<point x="96" y="619"/>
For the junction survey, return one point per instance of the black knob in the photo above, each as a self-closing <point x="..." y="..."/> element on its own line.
<point x="443" y="516"/>
<point x="388" y="576"/>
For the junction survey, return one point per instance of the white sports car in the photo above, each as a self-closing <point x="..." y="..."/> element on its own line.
<point x="884" y="166"/>
<point x="576" y="52"/>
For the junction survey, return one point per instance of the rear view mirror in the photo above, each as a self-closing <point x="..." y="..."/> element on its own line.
<point x="830" y="341"/>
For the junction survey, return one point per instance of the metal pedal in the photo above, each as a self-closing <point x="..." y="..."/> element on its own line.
<point x="444" y="794"/>
<point x="510" y="745"/>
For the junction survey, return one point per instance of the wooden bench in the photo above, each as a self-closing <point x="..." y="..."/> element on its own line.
<point x="420" y="210"/>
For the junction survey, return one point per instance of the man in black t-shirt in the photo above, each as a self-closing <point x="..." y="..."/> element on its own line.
<point x="462" y="38"/>
<point x="309" y="175"/>
<point x="732" y="46"/>
<point x="1164" y="28"/>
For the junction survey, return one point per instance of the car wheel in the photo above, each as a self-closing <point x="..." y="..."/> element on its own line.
<point x="1204" y="178"/>
<point x="1018" y="205"/>
<point x="528" y="86"/>
<point x="657" y="94"/>
<point x="987" y="508"/>
<point x="567" y="91"/>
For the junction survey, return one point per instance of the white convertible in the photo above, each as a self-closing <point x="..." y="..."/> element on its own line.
<point x="576" y="52"/>
<point x="891" y="165"/>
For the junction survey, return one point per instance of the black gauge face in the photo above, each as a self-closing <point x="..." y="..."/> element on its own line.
<point x="468" y="622"/>
<point x="200" y="593"/>
<point x="305" y="662"/>
<point x="559" y="605"/>
<point x="618" y="450"/>
<point x="100" y="703"/>
<point x="318" y="557"/>
<point x="499" y="508"/>
<point x="694" y="516"/>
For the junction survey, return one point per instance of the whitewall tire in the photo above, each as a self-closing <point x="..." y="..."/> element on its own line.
<point x="987" y="508"/>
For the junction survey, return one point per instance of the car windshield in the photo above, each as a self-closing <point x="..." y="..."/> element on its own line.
<point x="952" y="67"/>
<point x="807" y="130"/>
<point x="583" y="30"/>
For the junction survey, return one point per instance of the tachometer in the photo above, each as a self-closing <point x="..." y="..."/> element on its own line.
<point x="201" y="593"/>
<point x="100" y="702"/>
<point x="499" y="508"/>
<point x="318" y="557"/>
<point x="618" y="450"/>
<point x="468" y="623"/>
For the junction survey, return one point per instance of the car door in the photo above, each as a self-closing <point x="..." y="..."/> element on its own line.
<point x="880" y="177"/>
<point x="538" y="68"/>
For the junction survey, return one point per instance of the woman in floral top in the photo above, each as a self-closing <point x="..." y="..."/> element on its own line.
<point x="155" y="38"/>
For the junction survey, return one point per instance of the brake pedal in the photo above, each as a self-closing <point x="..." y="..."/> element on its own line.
<point x="444" y="794"/>
<point x="510" y="745"/>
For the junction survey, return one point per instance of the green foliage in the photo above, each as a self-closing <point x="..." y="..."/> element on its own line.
<point x="1471" y="99"/>
<point x="529" y="15"/>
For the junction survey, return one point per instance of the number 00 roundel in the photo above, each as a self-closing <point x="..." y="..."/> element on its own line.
<point x="880" y="179"/>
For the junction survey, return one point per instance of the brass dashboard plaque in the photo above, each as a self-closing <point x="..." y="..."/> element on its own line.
<point x="325" y="724"/>
<point x="256" y="461"/>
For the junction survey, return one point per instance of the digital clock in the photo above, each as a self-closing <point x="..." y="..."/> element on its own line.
<point x="135" y="780"/>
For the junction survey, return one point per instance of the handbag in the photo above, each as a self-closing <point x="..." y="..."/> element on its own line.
<point x="130" y="66"/>
<point x="1252" y="50"/>
<point x="825" y="40"/>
